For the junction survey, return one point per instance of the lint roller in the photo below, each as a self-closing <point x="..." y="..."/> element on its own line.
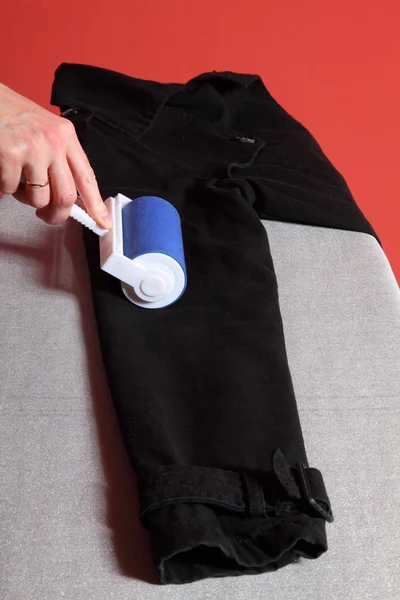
<point x="144" y="250"/>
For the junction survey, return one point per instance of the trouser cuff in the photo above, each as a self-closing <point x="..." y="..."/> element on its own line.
<point x="211" y="522"/>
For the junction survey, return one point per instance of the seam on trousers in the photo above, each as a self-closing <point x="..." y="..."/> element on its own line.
<point x="186" y="171"/>
<point x="129" y="132"/>
<point x="270" y="510"/>
<point x="104" y="117"/>
<point x="155" y="116"/>
<point x="192" y="118"/>
<point x="192" y="500"/>
<point x="231" y="134"/>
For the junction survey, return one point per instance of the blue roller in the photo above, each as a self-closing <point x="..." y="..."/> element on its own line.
<point x="151" y="224"/>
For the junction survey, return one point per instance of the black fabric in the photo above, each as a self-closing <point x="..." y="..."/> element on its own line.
<point x="202" y="388"/>
<point x="231" y="490"/>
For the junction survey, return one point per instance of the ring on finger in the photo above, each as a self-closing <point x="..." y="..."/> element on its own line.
<point x="39" y="185"/>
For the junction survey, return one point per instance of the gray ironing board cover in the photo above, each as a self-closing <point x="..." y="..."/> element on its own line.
<point x="69" y="524"/>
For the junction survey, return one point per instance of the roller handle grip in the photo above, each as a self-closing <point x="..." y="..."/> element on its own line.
<point x="84" y="219"/>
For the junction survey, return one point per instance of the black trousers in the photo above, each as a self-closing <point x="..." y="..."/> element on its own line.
<point x="202" y="389"/>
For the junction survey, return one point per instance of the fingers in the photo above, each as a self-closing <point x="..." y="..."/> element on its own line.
<point x="41" y="146"/>
<point x="86" y="184"/>
<point x="33" y="196"/>
<point x="10" y="176"/>
<point x="38" y="197"/>
<point x="63" y="193"/>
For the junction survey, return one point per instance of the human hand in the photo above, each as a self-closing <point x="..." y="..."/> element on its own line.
<point x="42" y="147"/>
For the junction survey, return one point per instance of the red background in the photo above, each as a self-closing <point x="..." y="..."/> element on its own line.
<point x="333" y="64"/>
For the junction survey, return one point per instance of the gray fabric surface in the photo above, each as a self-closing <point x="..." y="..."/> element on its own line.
<point x="68" y="506"/>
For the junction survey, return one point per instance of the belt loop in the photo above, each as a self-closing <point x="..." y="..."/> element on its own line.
<point x="284" y="474"/>
<point x="308" y="494"/>
<point x="310" y="490"/>
<point x="254" y="496"/>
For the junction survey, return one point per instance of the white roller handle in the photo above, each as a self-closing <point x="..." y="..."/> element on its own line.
<point x="132" y="271"/>
<point x="84" y="219"/>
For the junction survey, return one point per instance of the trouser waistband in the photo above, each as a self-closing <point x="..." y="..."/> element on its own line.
<point x="136" y="103"/>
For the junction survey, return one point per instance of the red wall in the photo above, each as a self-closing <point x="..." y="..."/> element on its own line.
<point x="333" y="64"/>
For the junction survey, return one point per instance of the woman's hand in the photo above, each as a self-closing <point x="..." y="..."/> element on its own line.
<point x="44" y="147"/>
